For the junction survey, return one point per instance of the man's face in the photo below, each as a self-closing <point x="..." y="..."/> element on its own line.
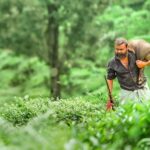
<point x="121" y="51"/>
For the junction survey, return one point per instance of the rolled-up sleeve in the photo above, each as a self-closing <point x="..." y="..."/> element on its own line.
<point x="111" y="74"/>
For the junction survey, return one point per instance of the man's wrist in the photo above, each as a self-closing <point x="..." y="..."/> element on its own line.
<point x="148" y="63"/>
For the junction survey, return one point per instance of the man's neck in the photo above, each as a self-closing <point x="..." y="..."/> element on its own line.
<point x="124" y="62"/>
<point x="124" y="59"/>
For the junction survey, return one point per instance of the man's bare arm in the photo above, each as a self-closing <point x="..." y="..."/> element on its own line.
<point x="142" y="64"/>
<point x="110" y="84"/>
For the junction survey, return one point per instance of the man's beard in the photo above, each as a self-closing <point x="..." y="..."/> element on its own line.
<point x="121" y="55"/>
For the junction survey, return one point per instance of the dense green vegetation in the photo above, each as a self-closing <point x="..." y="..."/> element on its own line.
<point x="84" y="46"/>
<point x="76" y="123"/>
<point x="32" y="75"/>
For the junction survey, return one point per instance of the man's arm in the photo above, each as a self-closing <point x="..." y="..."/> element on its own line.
<point x="111" y="75"/>
<point x="110" y="84"/>
<point x="142" y="64"/>
<point x="110" y="102"/>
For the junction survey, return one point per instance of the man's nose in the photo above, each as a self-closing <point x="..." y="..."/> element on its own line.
<point x="119" y="51"/>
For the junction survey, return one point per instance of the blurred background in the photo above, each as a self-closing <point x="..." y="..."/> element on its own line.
<point x="53" y="48"/>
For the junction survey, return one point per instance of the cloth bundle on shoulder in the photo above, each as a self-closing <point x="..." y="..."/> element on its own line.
<point x="142" y="51"/>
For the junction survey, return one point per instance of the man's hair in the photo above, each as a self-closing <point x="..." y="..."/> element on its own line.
<point x="120" y="41"/>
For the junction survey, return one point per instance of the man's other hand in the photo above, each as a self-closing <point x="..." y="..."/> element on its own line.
<point x="141" y="64"/>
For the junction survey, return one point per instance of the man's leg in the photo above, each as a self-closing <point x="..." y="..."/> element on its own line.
<point x="128" y="96"/>
<point x="144" y="94"/>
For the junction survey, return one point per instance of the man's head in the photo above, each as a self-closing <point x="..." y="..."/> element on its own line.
<point x="121" y="48"/>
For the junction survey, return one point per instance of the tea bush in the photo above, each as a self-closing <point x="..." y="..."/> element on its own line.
<point x="75" y="123"/>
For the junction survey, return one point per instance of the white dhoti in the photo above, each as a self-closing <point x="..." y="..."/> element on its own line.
<point x="137" y="96"/>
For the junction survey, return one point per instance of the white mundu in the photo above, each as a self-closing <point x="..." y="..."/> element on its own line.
<point x="138" y="96"/>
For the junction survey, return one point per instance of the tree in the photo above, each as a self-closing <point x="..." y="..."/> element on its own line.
<point x="74" y="13"/>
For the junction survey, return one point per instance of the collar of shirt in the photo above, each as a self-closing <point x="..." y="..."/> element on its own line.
<point x="129" y="58"/>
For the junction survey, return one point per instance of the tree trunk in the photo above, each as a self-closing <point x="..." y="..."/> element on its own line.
<point x="53" y="42"/>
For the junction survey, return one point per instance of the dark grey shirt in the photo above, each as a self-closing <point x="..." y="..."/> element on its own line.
<point x="127" y="77"/>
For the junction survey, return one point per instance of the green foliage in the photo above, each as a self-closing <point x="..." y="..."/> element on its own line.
<point x="21" y="110"/>
<point x="74" y="123"/>
<point x="21" y="29"/>
<point x="22" y="75"/>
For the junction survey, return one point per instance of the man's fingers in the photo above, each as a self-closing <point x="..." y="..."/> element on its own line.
<point x="138" y="61"/>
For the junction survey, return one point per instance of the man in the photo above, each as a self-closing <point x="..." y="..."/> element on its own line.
<point x="124" y="66"/>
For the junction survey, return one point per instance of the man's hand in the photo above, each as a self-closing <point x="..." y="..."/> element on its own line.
<point x="109" y="105"/>
<point x="142" y="64"/>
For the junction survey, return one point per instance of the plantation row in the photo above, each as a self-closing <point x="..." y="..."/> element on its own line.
<point x="72" y="124"/>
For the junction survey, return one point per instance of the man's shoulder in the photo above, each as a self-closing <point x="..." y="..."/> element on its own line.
<point x="112" y="60"/>
<point x="111" y="63"/>
<point x="132" y="54"/>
